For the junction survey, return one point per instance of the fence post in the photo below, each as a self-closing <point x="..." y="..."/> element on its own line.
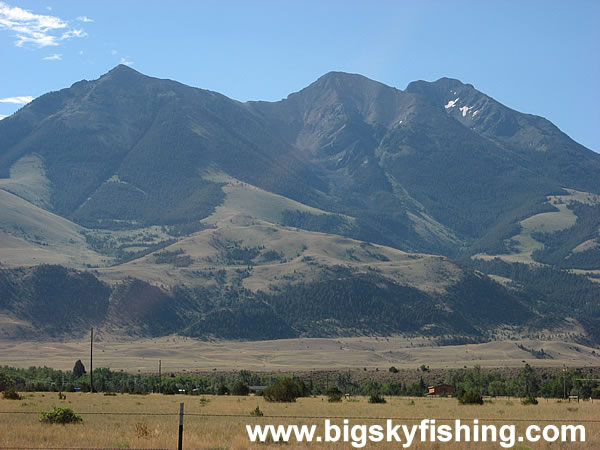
<point x="180" y="445"/>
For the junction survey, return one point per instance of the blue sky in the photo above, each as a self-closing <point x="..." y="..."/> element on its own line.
<point x="539" y="57"/>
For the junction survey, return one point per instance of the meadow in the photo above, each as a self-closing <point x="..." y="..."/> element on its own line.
<point x="132" y="421"/>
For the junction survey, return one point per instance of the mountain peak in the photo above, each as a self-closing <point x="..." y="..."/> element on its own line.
<point x="345" y="80"/>
<point x="122" y="74"/>
<point x="122" y="68"/>
<point x="441" y="88"/>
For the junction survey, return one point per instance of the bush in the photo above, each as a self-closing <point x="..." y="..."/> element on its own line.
<point x="142" y="430"/>
<point x="393" y="370"/>
<point x="470" y="398"/>
<point x="334" y="394"/>
<point x="62" y="415"/>
<point x="240" y="388"/>
<point x="11" y="394"/>
<point x="529" y="400"/>
<point x="256" y="412"/>
<point x="376" y="398"/>
<point x="284" y="390"/>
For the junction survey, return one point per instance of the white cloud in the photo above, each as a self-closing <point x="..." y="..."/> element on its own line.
<point x="17" y="100"/>
<point x="126" y="62"/>
<point x="55" y="57"/>
<point x="2" y="116"/>
<point x="73" y="33"/>
<point x="85" y="19"/>
<point x="37" y="29"/>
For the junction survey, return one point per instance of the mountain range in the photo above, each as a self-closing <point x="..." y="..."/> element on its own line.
<point x="144" y="206"/>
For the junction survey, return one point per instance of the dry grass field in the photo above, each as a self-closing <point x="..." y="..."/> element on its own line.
<point x="204" y="428"/>
<point x="180" y="354"/>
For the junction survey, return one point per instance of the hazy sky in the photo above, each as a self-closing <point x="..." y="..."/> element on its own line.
<point x="539" y="57"/>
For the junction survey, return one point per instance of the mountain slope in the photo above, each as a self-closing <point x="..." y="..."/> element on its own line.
<point x="393" y="155"/>
<point x="132" y="145"/>
<point x="408" y="166"/>
<point x="538" y="143"/>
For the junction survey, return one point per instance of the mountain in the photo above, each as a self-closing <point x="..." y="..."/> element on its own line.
<point x="338" y="210"/>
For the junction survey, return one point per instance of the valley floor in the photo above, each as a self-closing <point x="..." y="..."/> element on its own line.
<point x="180" y="354"/>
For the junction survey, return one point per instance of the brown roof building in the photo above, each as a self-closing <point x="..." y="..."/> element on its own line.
<point x="440" y="389"/>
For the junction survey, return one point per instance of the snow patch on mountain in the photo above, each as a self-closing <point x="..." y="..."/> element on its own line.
<point x="451" y="103"/>
<point x="465" y="110"/>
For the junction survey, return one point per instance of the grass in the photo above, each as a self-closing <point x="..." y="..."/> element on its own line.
<point x="140" y="430"/>
<point x="293" y="355"/>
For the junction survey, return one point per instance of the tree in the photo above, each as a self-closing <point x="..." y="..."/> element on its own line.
<point x="222" y="390"/>
<point x="497" y="388"/>
<point x="5" y="382"/>
<point x="528" y="382"/>
<point x="78" y="369"/>
<point x="240" y="388"/>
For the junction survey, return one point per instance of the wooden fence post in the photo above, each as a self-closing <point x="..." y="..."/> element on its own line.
<point x="180" y="444"/>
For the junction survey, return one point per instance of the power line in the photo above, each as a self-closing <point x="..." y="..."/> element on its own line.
<point x="247" y="416"/>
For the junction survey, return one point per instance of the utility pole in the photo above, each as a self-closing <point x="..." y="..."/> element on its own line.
<point x="564" y="381"/>
<point x="92" y="360"/>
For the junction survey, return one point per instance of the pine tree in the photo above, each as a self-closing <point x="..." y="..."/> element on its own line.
<point x="78" y="369"/>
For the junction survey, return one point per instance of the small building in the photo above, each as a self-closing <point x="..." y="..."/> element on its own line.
<point x="440" y="389"/>
<point x="256" y="389"/>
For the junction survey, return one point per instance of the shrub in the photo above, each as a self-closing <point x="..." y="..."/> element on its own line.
<point x="222" y="390"/>
<point x="284" y="390"/>
<point x="142" y="431"/>
<point x="529" y="400"/>
<point x="240" y="388"/>
<point x="376" y="398"/>
<point x="470" y="398"/>
<point x="256" y="412"/>
<point x="393" y="370"/>
<point x="11" y="394"/>
<point x="62" y="415"/>
<point x="334" y="394"/>
<point x="169" y="389"/>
